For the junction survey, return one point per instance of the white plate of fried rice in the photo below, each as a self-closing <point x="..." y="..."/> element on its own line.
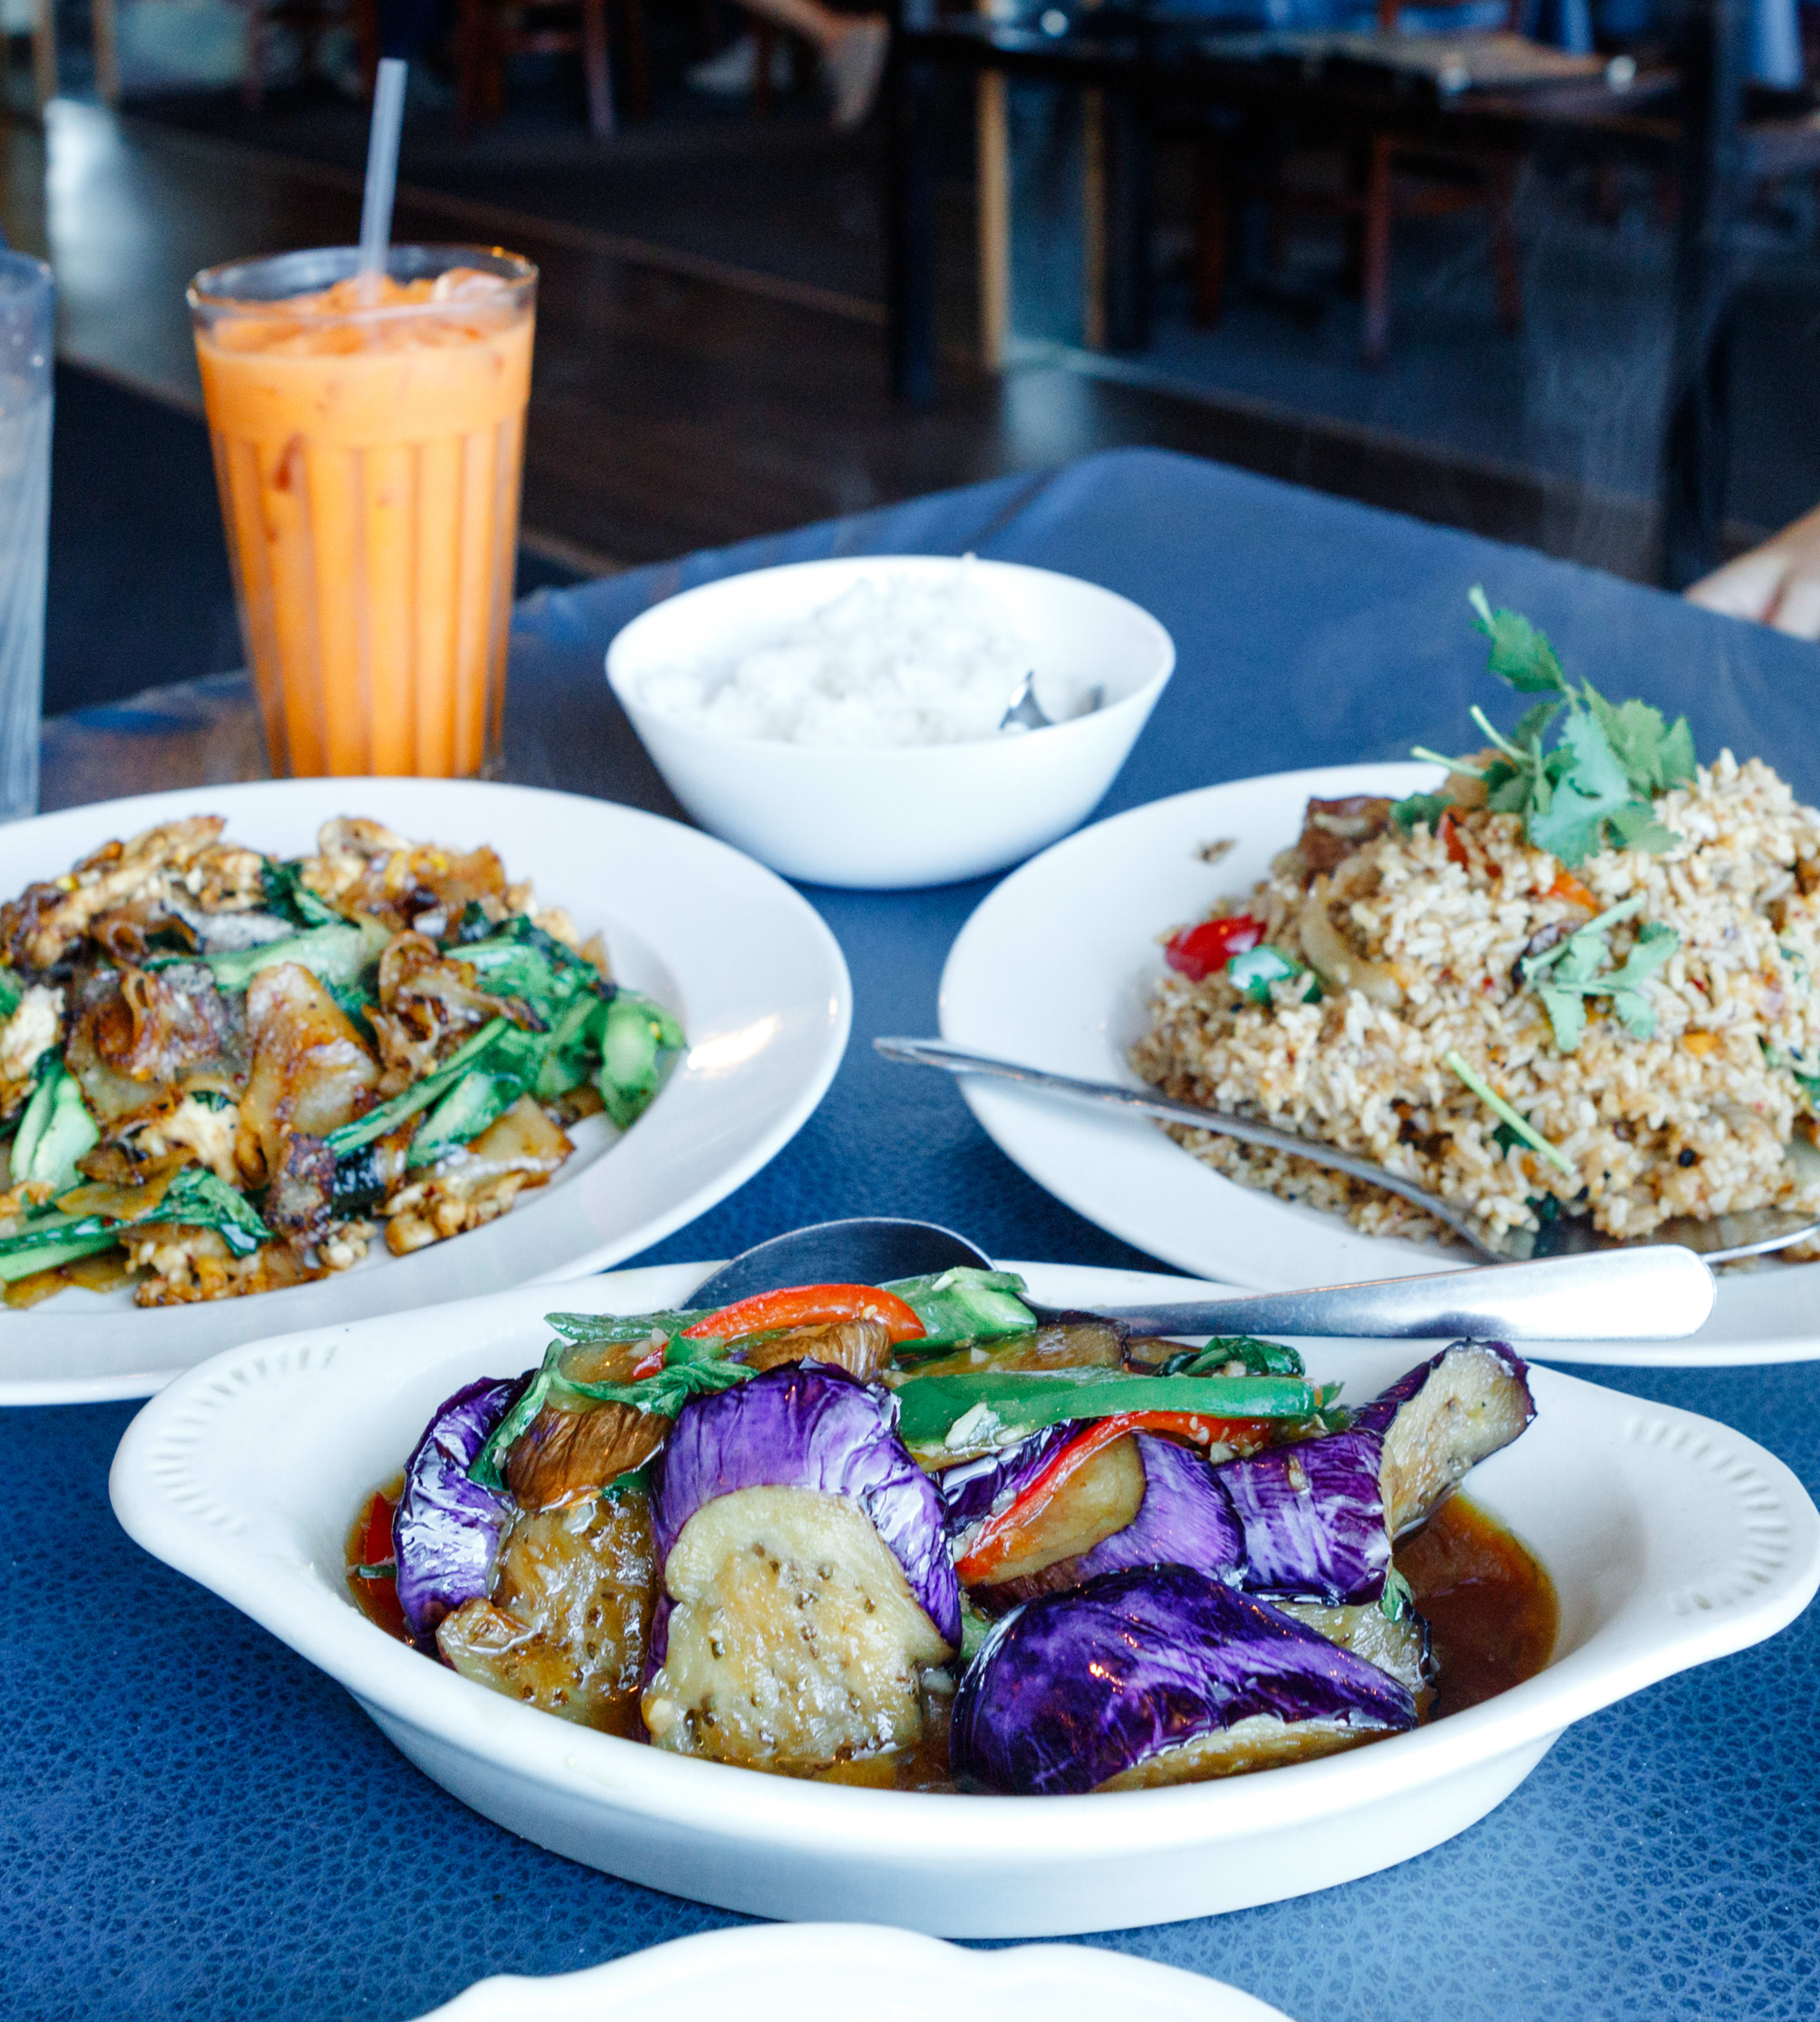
<point x="1062" y="967"/>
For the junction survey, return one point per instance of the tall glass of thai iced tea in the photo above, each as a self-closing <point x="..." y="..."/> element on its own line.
<point x="368" y="434"/>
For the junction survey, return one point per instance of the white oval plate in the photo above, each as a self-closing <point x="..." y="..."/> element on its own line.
<point x="1055" y="968"/>
<point x="1670" y="1540"/>
<point x="842" y="1973"/>
<point x="759" y="982"/>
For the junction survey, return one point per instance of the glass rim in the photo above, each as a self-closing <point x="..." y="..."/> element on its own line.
<point x="521" y="274"/>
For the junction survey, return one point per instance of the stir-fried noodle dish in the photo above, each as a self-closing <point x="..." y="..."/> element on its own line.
<point x="1577" y="978"/>
<point x="224" y="1073"/>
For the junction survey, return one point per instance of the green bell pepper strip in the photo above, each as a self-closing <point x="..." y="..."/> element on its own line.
<point x="997" y="1407"/>
<point x="964" y="1305"/>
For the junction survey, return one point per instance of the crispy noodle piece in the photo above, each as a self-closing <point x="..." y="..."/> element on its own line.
<point x="430" y="1003"/>
<point x="46" y="923"/>
<point x="522" y="1149"/>
<point x="361" y="867"/>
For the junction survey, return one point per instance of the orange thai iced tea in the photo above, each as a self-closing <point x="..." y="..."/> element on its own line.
<point x="368" y="435"/>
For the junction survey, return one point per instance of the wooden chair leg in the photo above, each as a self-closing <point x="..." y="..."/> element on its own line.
<point x="637" y="59"/>
<point x="1507" y="266"/>
<point x="594" y="72"/>
<point x="364" y="17"/>
<point x="44" y="80"/>
<point x="764" y="44"/>
<point x="470" y="38"/>
<point x="253" y="80"/>
<point x="1375" y="276"/>
<point x="992" y="179"/>
<point x="106" y="52"/>
<point x="1212" y="223"/>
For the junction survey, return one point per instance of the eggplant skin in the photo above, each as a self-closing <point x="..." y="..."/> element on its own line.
<point x="973" y="1490"/>
<point x="1313" y="1518"/>
<point x="446" y="1529"/>
<point x="809" y="1425"/>
<point x="1440" y="1421"/>
<point x="1186" y="1518"/>
<point x="1073" y="1692"/>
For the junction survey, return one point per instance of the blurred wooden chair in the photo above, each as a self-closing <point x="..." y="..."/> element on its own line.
<point x="1384" y="176"/>
<point x="309" y="20"/>
<point x="490" y="32"/>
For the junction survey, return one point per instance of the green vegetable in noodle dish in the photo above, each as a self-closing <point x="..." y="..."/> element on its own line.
<point x="222" y="1073"/>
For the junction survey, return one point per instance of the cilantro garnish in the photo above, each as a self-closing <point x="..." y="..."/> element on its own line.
<point x="1525" y="1131"/>
<point x="1594" y="789"/>
<point x="1566" y="975"/>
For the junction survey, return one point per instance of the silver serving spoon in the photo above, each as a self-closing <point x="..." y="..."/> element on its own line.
<point x="1027" y="713"/>
<point x="1754" y="1232"/>
<point x="1647" y="1293"/>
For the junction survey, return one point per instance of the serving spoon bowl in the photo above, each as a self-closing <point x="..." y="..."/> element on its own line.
<point x="1653" y="1292"/>
<point x="1720" y="1239"/>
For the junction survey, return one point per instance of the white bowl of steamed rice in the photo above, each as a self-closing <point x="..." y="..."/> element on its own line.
<point x="840" y="721"/>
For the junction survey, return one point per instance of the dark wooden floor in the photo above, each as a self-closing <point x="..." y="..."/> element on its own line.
<point x="676" y="404"/>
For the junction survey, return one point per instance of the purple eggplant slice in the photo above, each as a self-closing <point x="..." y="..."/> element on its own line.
<point x="1312" y="1519"/>
<point x="973" y="1490"/>
<point x="805" y="1576"/>
<point x="1158" y="1674"/>
<point x="567" y="1625"/>
<point x="1405" y="1647"/>
<point x="1440" y="1421"/>
<point x="446" y="1529"/>
<point x="1186" y="1519"/>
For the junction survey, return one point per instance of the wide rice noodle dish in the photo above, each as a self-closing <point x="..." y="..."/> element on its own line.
<point x="224" y="1073"/>
<point x="1632" y="990"/>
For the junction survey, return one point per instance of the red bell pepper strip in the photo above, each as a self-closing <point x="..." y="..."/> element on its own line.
<point x="1448" y="829"/>
<point x="810" y="1305"/>
<point x="381" y="1596"/>
<point x="1002" y="1537"/>
<point x="1197" y="952"/>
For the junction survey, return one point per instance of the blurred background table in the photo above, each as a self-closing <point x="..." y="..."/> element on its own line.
<point x="194" y="1823"/>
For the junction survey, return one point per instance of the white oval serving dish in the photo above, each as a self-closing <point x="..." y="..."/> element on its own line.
<point x="926" y="815"/>
<point x="840" y="1972"/>
<point x="758" y="981"/>
<point x="1671" y="1540"/>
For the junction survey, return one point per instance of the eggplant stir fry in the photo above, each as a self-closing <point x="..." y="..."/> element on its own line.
<point x="905" y="1535"/>
<point x="223" y="1073"/>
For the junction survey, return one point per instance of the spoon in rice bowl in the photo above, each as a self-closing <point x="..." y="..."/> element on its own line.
<point x="1722" y="1239"/>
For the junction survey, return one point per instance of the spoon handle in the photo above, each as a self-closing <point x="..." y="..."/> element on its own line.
<point x="958" y="1060"/>
<point x="1654" y="1292"/>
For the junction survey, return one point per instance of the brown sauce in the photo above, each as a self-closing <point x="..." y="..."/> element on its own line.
<point x="1492" y="1608"/>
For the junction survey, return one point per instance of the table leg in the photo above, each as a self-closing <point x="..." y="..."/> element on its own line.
<point x="1696" y="444"/>
<point x="1128" y="211"/>
<point x="910" y="207"/>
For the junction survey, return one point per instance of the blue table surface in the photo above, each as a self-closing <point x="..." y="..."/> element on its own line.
<point x="195" y="1823"/>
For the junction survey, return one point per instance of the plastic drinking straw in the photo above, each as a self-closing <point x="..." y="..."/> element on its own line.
<point x="382" y="164"/>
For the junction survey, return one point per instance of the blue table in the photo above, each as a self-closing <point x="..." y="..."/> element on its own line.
<point x="194" y="1823"/>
